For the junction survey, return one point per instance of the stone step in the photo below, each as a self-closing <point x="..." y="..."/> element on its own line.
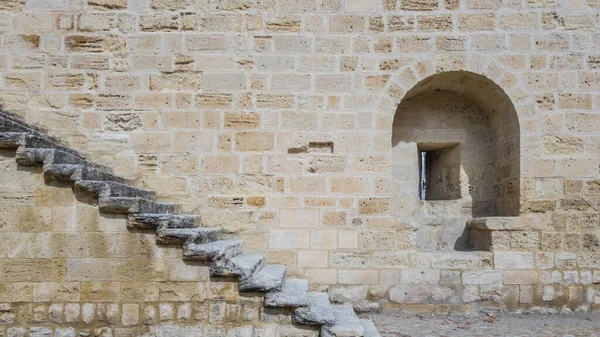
<point x="370" y="329"/>
<point x="294" y="293"/>
<point x="61" y="157"/>
<point x="32" y="156"/>
<point x="119" y="205"/>
<point x="317" y="312"/>
<point x="153" y="221"/>
<point x="97" y="174"/>
<point x="62" y="165"/>
<point x="77" y="172"/>
<point x="34" y="140"/>
<point x="171" y="236"/>
<point x="242" y="266"/>
<point x="47" y="156"/>
<point x="155" y="207"/>
<point x="11" y="124"/>
<point x="346" y="323"/>
<point x="57" y="160"/>
<point x="11" y="140"/>
<point x="64" y="172"/>
<point x="222" y="249"/>
<point x="113" y="189"/>
<point x="6" y="116"/>
<point x="30" y="137"/>
<point x="125" y="205"/>
<point x="270" y="277"/>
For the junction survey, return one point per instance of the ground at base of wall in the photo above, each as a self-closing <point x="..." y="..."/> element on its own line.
<point x="481" y="324"/>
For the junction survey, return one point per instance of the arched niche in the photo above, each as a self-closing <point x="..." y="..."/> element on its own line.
<point x="461" y="131"/>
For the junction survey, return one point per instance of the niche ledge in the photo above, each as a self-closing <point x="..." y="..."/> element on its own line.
<point x="506" y="233"/>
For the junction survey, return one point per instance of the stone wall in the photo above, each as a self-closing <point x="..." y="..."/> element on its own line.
<point x="68" y="270"/>
<point x="273" y="119"/>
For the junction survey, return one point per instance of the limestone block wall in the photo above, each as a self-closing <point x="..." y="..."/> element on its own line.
<point x="68" y="271"/>
<point x="274" y="120"/>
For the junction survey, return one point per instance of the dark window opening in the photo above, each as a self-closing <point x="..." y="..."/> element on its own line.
<point x="439" y="171"/>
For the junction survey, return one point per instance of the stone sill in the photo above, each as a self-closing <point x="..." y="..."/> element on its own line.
<point x="505" y="233"/>
<point x="512" y="223"/>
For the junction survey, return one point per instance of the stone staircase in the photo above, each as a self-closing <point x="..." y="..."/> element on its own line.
<point x="225" y="254"/>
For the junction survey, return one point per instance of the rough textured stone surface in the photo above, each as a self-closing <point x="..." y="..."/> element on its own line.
<point x="294" y="293"/>
<point x="346" y="323"/>
<point x="298" y="126"/>
<point x="318" y="311"/>
<point x="147" y="220"/>
<point x="242" y="266"/>
<point x="212" y="250"/>
<point x="270" y="277"/>
<point x="167" y="235"/>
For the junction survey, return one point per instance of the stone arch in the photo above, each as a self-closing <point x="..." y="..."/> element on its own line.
<point x="489" y="166"/>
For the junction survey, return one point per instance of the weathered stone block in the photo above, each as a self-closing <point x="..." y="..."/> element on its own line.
<point x="419" y="276"/>
<point x="94" y="43"/>
<point x="373" y="206"/>
<point x="513" y="260"/>
<point x="254" y="141"/>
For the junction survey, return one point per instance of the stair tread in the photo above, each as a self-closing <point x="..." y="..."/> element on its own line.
<point x="242" y="266"/>
<point x="212" y="250"/>
<point x="151" y="220"/>
<point x="317" y="312"/>
<point x="47" y="156"/>
<point x="269" y="278"/>
<point x="370" y="328"/>
<point x="133" y="205"/>
<point x="65" y="172"/>
<point x="180" y="235"/>
<point x="294" y="293"/>
<point x="346" y="323"/>
<point x="78" y="172"/>
<point x="119" y="204"/>
<point x="147" y="205"/>
<point x="58" y="156"/>
<point x="32" y="156"/>
<point x="11" y="139"/>
<point x="114" y="189"/>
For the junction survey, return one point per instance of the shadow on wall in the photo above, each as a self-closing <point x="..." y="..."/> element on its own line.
<point x="455" y="151"/>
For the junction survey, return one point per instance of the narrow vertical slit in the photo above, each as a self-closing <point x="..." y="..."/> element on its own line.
<point x="423" y="181"/>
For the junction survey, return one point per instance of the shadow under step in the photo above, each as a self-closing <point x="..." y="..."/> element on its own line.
<point x="242" y="266"/>
<point x="293" y="294"/>
<point x="317" y="312"/>
<point x="269" y="278"/>
<point x="222" y="249"/>
<point x="346" y="323"/>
